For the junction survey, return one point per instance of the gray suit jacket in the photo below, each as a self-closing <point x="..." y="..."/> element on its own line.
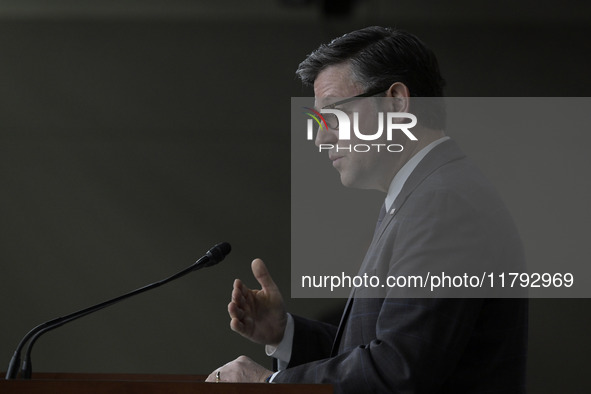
<point x="447" y="215"/>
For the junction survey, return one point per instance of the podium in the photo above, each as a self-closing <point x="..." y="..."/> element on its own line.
<point x="85" y="383"/>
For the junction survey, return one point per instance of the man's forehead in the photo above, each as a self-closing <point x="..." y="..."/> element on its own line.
<point x="334" y="83"/>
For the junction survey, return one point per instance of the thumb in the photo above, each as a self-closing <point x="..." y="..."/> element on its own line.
<point x="262" y="275"/>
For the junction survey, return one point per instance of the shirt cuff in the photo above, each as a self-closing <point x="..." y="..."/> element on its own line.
<point x="273" y="377"/>
<point x="283" y="351"/>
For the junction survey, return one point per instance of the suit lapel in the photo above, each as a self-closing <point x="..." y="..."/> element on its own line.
<point x="335" y="345"/>
<point x="337" y="338"/>
<point x="442" y="154"/>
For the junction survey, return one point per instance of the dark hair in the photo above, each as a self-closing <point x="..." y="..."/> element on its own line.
<point x="379" y="57"/>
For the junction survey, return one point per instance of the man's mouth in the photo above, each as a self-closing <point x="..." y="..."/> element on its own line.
<point x="335" y="159"/>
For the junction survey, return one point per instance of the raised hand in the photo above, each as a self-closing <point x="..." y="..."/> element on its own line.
<point x="258" y="315"/>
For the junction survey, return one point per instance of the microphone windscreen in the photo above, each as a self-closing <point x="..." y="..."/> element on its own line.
<point x="218" y="252"/>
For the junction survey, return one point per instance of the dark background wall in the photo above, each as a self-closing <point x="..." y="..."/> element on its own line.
<point x="135" y="135"/>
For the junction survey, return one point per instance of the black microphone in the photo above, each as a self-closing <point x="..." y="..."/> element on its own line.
<point x="212" y="257"/>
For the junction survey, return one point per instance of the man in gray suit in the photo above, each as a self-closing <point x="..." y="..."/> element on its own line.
<point x="439" y="212"/>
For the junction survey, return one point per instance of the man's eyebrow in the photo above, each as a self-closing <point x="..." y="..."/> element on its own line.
<point x="328" y="102"/>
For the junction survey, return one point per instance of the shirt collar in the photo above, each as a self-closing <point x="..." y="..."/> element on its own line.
<point x="407" y="169"/>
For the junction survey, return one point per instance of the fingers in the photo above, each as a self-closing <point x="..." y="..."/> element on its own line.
<point x="235" y="312"/>
<point x="239" y="302"/>
<point x="237" y="326"/>
<point x="236" y="316"/>
<point x="238" y="307"/>
<point x="213" y="377"/>
<point x="262" y="275"/>
<point x="239" y="291"/>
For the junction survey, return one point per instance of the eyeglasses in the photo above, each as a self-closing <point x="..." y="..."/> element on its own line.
<point x="332" y="121"/>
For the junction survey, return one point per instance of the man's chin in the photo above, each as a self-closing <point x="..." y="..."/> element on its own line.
<point x="345" y="181"/>
<point x="350" y="182"/>
<point x="356" y="183"/>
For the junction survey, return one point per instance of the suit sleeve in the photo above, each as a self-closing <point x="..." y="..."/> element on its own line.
<point x="418" y="343"/>
<point x="312" y="341"/>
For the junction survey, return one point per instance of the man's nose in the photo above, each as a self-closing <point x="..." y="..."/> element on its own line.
<point x="326" y="136"/>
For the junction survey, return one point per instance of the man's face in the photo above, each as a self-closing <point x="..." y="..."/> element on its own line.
<point x="362" y="170"/>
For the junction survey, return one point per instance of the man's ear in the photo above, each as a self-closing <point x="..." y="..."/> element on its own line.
<point x="401" y="95"/>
